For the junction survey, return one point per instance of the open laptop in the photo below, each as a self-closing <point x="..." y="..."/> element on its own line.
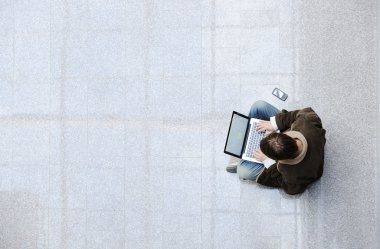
<point x="242" y="138"/>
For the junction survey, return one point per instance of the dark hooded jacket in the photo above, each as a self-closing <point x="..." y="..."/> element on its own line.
<point x="295" y="178"/>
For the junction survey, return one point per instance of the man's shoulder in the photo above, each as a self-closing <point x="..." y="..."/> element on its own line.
<point x="305" y="111"/>
<point x="309" y="115"/>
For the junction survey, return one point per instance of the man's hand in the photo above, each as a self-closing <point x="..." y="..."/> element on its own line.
<point x="264" y="126"/>
<point x="259" y="156"/>
<point x="267" y="133"/>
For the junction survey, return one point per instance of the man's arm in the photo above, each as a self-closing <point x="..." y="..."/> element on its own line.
<point x="285" y="119"/>
<point x="271" y="177"/>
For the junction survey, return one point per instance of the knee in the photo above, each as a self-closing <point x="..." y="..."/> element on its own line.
<point x="243" y="173"/>
<point x="257" y="108"/>
<point x="259" y="104"/>
<point x="249" y="172"/>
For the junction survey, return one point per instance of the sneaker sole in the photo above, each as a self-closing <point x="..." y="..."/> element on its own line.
<point x="231" y="169"/>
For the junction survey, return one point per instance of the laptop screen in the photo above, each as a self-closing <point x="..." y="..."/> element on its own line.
<point x="235" y="139"/>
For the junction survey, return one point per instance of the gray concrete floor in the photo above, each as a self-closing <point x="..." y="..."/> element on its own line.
<point x="113" y="118"/>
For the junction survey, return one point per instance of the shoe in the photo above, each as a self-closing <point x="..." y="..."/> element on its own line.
<point x="232" y="165"/>
<point x="231" y="168"/>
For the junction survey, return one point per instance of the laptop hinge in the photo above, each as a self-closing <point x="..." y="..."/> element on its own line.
<point x="246" y="136"/>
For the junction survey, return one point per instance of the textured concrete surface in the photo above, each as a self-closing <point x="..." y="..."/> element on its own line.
<point x="113" y="118"/>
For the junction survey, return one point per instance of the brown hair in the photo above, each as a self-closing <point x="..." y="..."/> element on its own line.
<point x="279" y="146"/>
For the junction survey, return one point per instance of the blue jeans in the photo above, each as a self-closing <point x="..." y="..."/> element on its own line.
<point x="247" y="170"/>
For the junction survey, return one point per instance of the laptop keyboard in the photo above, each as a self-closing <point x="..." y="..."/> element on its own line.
<point x="254" y="139"/>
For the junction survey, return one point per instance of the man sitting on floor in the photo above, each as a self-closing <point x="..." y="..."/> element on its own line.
<point x="294" y="157"/>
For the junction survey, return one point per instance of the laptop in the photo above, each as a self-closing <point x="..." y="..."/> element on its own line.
<point x="242" y="138"/>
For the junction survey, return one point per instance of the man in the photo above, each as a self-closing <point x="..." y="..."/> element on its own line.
<point x="291" y="158"/>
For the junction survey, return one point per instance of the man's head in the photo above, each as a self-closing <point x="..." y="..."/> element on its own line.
<point x="279" y="146"/>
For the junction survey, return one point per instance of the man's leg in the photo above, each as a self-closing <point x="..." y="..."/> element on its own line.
<point x="262" y="110"/>
<point x="247" y="170"/>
